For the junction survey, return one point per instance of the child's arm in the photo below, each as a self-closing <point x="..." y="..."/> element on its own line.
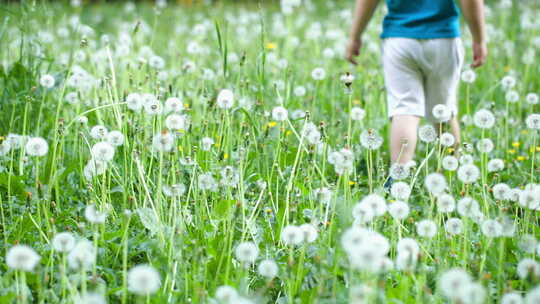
<point x="362" y="14"/>
<point x="473" y="11"/>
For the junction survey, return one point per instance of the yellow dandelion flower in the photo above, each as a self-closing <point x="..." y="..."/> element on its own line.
<point x="186" y="105"/>
<point x="351" y="183"/>
<point x="515" y="144"/>
<point x="538" y="148"/>
<point x="271" y="45"/>
<point x="272" y="124"/>
<point x="512" y="151"/>
<point x="289" y="132"/>
<point x="450" y="150"/>
<point x="520" y="158"/>
<point x="226" y="156"/>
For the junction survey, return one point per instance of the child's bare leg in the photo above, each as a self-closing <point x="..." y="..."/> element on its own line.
<point x="403" y="135"/>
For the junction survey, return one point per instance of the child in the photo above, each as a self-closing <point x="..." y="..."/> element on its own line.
<point x="422" y="56"/>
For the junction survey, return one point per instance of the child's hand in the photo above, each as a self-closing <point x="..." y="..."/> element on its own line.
<point x="353" y="50"/>
<point x="479" y="54"/>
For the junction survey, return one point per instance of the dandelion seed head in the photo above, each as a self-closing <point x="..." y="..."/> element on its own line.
<point x="400" y="191"/>
<point x="63" y="241"/>
<point x="246" y="252"/>
<point x="22" y="257"/>
<point x="143" y="280"/>
<point x="268" y="269"/>
<point x="83" y="255"/>
<point x="36" y="146"/>
<point x="399" y="210"/>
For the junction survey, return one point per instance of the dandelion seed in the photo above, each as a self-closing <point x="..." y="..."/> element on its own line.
<point x="450" y="163"/>
<point x="399" y="171"/>
<point x="22" y="257"/>
<point x="207" y="143"/>
<point x="511" y="298"/>
<point x="134" y="101"/>
<point x="310" y="233"/>
<point x="495" y="165"/>
<point x="400" y="191"/>
<point x="485" y="145"/>
<point x="174" y="190"/>
<point x="453" y="226"/>
<point x="362" y="213"/>
<point x="501" y="191"/>
<point x="36" y="146"/>
<point x="441" y="113"/>
<point x="115" y="138"/>
<point x="467" y="207"/>
<point x="528" y="268"/>
<point x="152" y="107"/>
<point x="176" y="122"/>
<point x="376" y="203"/>
<point x="98" y="132"/>
<point x="268" y="269"/>
<point x="452" y="280"/>
<point x="311" y="133"/>
<point x="426" y="228"/>
<point x="279" y="113"/>
<point x="508" y="82"/>
<point x="512" y="96"/>
<point x="143" y="280"/>
<point x="491" y="228"/>
<point x="91" y="298"/>
<point x="173" y="104"/>
<point x="533" y="121"/>
<point x="318" y="74"/>
<point x="299" y="91"/>
<point x="471" y="293"/>
<point x="207" y="182"/>
<point x="163" y="142"/>
<point x="528" y="243"/>
<point x="532" y="98"/>
<point x="226" y="294"/>
<point x="292" y="235"/>
<point x="102" y="151"/>
<point x="435" y="183"/>
<point x="370" y="139"/>
<point x="427" y="133"/>
<point x="447" y="140"/>
<point x="247" y="252"/>
<point x="47" y="81"/>
<point x="445" y="203"/>
<point x="63" y="242"/>
<point x="399" y="210"/>
<point x="468" y="76"/>
<point x="225" y="99"/>
<point x="323" y="195"/>
<point x="83" y="255"/>
<point x="484" y="119"/>
<point x="468" y="174"/>
<point x="357" y="113"/>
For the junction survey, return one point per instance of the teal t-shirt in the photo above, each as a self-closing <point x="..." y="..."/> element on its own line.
<point x="421" y="19"/>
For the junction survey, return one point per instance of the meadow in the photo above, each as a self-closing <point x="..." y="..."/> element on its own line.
<point x="227" y="153"/>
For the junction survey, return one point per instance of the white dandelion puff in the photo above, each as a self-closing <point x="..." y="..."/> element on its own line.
<point x="143" y="280"/>
<point x="22" y="257"/>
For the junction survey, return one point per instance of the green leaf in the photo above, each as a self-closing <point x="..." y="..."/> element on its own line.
<point x="12" y="183"/>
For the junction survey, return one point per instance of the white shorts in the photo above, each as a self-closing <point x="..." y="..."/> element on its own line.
<point x="421" y="73"/>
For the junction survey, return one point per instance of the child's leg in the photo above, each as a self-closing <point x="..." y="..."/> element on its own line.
<point x="403" y="136"/>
